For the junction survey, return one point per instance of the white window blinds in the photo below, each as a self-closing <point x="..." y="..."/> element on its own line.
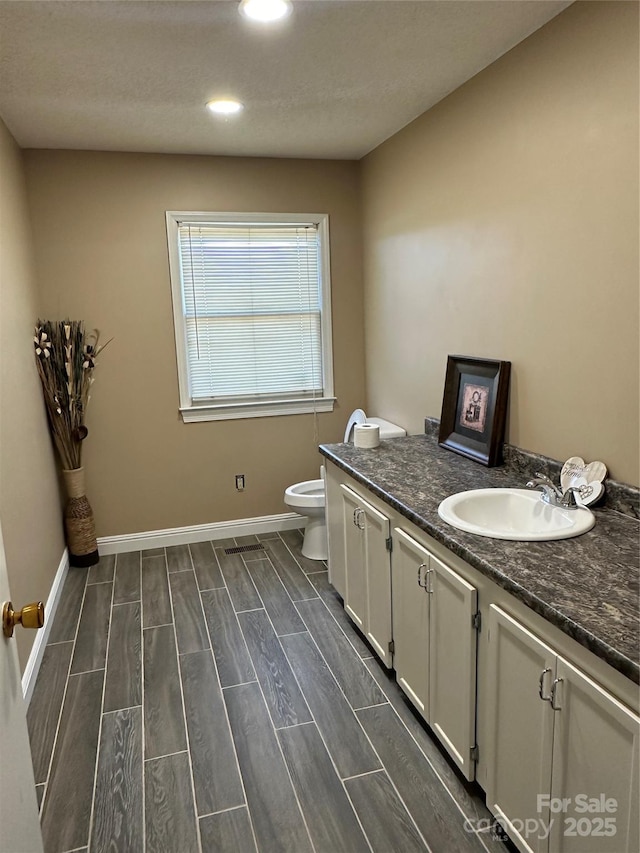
<point x="252" y="313"/>
<point x="252" y="307"/>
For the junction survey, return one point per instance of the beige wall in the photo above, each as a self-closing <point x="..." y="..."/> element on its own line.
<point x="29" y="500"/>
<point x="101" y="256"/>
<point x="504" y="224"/>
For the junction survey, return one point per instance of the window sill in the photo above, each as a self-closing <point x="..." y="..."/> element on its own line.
<point x="263" y="409"/>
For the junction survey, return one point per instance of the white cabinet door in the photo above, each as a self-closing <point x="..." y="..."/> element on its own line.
<point x="520" y="731"/>
<point x="335" y="531"/>
<point x="378" y="581"/>
<point x="410" y="563"/>
<point x="595" y="768"/>
<point x="355" y="589"/>
<point x="561" y="751"/>
<point x="452" y="663"/>
<point x="367" y="589"/>
<point x="435" y="645"/>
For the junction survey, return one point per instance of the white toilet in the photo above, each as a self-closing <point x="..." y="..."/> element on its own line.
<point x="307" y="498"/>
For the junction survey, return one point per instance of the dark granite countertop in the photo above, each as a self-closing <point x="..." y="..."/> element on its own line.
<point x="587" y="586"/>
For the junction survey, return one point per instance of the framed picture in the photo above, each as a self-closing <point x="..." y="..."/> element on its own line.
<point x="474" y="408"/>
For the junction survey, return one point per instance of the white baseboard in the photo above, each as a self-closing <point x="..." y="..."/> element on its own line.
<point x="199" y="533"/>
<point x="140" y="542"/>
<point x="42" y="636"/>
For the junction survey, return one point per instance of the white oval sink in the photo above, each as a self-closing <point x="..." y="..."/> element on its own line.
<point x="516" y="514"/>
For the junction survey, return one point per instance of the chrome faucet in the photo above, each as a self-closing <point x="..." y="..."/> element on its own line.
<point x="552" y="495"/>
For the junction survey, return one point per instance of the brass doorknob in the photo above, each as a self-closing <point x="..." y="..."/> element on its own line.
<point x="31" y="616"/>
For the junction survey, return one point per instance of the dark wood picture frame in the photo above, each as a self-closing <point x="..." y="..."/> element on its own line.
<point x="474" y="408"/>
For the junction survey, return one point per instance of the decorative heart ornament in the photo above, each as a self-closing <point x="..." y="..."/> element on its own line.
<point x="595" y="472"/>
<point x="575" y="472"/>
<point x="589" y="492"/>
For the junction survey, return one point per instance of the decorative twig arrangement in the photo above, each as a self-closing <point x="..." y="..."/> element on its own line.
<point x="66" y="358"/>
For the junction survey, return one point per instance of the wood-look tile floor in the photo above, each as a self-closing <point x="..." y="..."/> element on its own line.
<point x="192" y="699"/>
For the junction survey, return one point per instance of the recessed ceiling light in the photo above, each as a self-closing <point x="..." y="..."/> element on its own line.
<point x="265" y="10"/>
<point x="225" y="106"/>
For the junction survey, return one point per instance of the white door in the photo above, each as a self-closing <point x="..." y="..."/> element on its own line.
<point x="19" y="822"/>
<point x="410" y="564"/>
<point x="355" y="588"/>
<point x="520" y="731"/>
<point x="452" y="663"/>
<point x="335" y="530"/>
<point x="378" y="581"/>
<point x="595" y="768"/>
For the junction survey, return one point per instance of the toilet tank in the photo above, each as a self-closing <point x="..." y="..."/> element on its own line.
<point x="387" y="429"/>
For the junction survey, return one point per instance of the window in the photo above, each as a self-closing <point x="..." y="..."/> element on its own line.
<point x="251" y="308"/>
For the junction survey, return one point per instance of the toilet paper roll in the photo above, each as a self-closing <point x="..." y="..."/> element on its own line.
<point x="366" y="435"/>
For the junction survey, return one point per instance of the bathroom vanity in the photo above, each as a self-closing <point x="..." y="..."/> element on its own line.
<point x="521" y="656"/>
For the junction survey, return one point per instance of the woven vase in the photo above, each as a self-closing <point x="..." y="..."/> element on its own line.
<point x="78" y="521"/>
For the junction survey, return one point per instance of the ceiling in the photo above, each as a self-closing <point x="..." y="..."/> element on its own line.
<point x="332" y="81"/>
